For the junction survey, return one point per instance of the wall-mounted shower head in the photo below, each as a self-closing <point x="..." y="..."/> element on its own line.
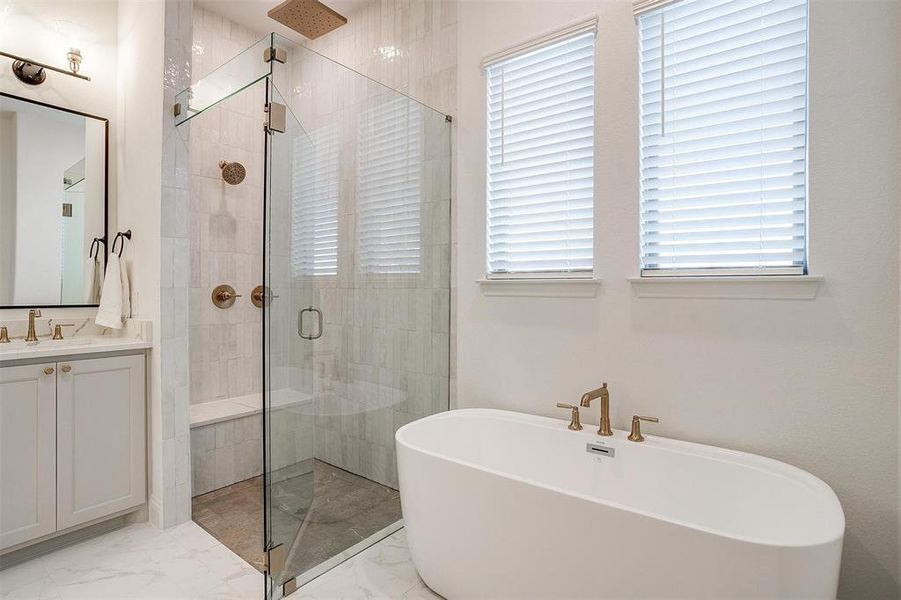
<point x="232" y="172"/>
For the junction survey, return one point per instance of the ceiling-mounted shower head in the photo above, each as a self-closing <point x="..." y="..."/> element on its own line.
<point x="232" y="172"/>
<point x="310" y="18"/>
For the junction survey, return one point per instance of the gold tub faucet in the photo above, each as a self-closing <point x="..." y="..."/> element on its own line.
<point x="604" y="395"/>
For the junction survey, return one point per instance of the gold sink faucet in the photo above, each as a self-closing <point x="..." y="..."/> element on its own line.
<point x="32" y="336"/>
<point x="604" y="395"/>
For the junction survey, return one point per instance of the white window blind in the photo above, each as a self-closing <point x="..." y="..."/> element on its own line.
<point x="723" y="137"/>
<point x="388" y="187"/>
<point x="541" y="159"/>
<point x="314" y="227"/>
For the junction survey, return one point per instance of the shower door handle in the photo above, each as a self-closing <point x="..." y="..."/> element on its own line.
<point x="319" y="323"/>
<point x="300" y="330"/>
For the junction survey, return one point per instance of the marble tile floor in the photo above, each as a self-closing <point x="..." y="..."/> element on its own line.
<point x="136" y="562"/>
<point x="336" y="508"/>
<point x="383" y="571"/>
<point x="186" y="563"/>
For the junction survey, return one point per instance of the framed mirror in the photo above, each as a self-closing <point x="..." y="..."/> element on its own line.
<point x="53" y="204"/>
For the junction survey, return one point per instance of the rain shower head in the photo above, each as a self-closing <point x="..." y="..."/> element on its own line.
<point x="232" y="172"/>
<point x="309" y="18"/>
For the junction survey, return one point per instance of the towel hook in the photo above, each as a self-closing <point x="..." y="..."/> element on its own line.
<point x="123" y="235"/>
<point x="96" y="244"/>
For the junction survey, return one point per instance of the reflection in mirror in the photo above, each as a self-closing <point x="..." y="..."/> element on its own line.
<point x="52" y="204"/>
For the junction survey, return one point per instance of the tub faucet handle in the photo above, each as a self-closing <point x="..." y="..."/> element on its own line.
<point x="635" y="435"/>
<point x="574" y="423"/>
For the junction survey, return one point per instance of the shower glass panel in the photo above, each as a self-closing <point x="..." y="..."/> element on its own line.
<point x="290" y="324"/>
<point x="362" y="231"/>
<point x="228" y="79"/>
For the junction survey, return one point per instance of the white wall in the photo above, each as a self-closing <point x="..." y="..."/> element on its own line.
<point x="813" y="383"/>
<point x="140" y="117"/>
<point x="27" y="27"/>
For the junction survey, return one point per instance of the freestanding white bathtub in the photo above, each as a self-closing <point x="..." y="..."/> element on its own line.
<point x="505" y="505"/>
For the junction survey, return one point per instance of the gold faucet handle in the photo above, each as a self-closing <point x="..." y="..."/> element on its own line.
<point x="58" y="330"/>
<point x="635" y="435"/>
<point x="574" y="423"/>
<point x="4" y="335"/>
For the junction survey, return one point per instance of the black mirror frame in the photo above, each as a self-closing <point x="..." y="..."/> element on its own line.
<point x="105" y="193"/>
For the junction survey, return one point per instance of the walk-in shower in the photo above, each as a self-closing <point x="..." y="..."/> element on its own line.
<point x="343" y="218"/>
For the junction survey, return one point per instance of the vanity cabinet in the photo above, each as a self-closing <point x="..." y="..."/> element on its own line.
<point x="27" y="453"/>
<point x="72" y="444"/>
<point x="99" y="437"/>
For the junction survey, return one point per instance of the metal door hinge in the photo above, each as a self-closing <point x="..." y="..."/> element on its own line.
<point x="276" y="117"/>
<point x="275" y="559"/>
<point x="276" y="54"/>
<point x="176" y="110"/>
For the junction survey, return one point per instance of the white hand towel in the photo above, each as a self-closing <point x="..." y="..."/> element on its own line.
<point x="97" y="285"/>
<point x="126" y="288"/>
<point x="110" y="312"/>
<point x="92" y="281"/>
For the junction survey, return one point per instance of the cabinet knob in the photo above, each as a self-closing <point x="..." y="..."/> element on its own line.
<point x="66" y="368"/>
<point x="48" y="371"/>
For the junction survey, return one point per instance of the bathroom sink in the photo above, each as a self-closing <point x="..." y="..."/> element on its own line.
<point x="83" y="341"/>
<point x="45" y="343"/>
<point x="19" y="345"/>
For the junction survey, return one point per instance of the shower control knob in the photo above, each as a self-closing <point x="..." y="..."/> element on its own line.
<point x="262" y="295"/>
<point x="224" y="295"/>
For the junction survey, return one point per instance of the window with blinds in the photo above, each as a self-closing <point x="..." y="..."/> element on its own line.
<point x="389" y="165"/>
<point x="723" y="137"/>
<point x="541" y="159"/>
<point x="314" y="227"/>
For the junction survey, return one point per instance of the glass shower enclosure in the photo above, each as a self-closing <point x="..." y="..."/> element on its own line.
<point x="355" y="294"/>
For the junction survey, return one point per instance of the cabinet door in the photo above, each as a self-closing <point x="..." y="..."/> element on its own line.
<point x="100" y="437"/>
<point x="27" y="453"/>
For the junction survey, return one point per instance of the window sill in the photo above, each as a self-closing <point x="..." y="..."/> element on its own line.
<point x="752" y="287"/>
<point x="582" y="287"/>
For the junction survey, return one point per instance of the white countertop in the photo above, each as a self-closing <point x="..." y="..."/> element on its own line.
<point x="20" y="350"/>
<point x="85" y="340"/>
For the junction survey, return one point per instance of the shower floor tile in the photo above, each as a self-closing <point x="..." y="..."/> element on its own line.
<point x="345" y="510"/>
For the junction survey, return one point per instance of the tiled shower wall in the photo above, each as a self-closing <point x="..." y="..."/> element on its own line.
<point x="410" y="46"/>
<point x="407" y="45"/>
<point x="225" y="222"/>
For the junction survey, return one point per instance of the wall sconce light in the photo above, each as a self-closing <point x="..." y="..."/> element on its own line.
<point x="32" y="72"/>
<point x="74" y="56"/>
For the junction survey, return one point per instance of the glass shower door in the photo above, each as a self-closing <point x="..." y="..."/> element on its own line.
<point x="290" y="324"/>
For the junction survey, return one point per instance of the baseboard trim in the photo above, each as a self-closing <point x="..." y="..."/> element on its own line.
<point x="59" y="540"/>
